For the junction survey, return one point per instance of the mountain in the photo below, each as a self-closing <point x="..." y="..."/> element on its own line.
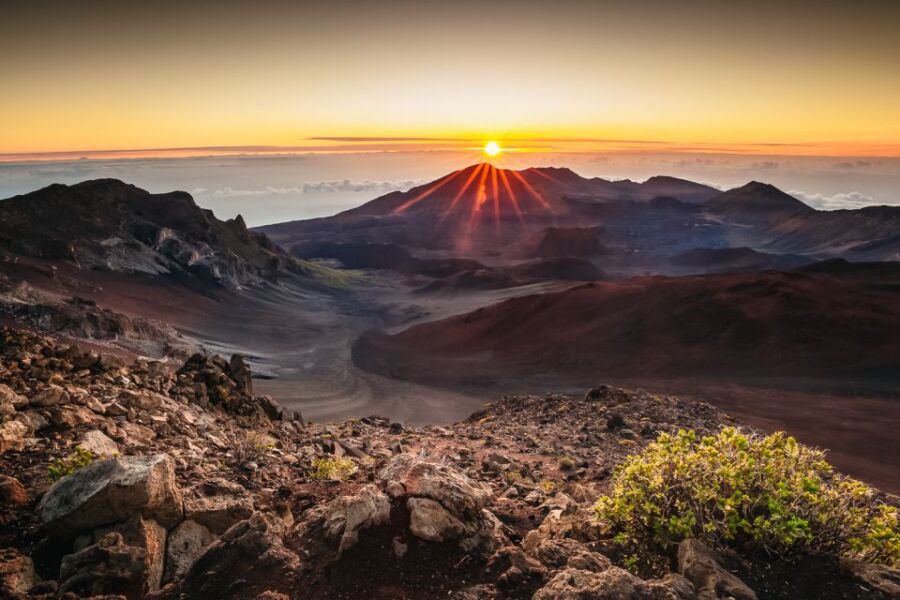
<point x="109" y="225"/>
<point x="501" y="216"/>
<point x="151" y="274"/>
<point x="481" y="210"/>
<point x="756" y="201"/>
<point x="764" y="324"/>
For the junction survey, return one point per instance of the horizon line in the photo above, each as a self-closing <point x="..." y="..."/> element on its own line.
<point x="373" y="144"/>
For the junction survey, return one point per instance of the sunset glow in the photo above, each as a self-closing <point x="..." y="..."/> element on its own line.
<point x="571" y="76"/>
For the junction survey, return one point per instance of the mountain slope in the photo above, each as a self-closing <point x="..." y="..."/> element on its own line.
<point x="757" y="324"/>
<point x="109" y="225"/>
<point x="500" y="216"/>
<point x="756" y="201"/>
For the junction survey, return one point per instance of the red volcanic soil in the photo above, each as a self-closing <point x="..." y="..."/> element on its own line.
<point x="814" y="354"/>
<point x="762" y="324"/>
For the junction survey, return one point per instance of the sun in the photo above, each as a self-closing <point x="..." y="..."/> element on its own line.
<point x="492" y="148"/>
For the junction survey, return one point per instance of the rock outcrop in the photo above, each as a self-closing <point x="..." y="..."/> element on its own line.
<point x="113" y="490"/>
<point x="224" y="498"/>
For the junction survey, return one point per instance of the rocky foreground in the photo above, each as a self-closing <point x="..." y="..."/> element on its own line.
<point x="143" y="481"/>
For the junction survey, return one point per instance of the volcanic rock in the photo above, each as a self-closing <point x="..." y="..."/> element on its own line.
<point x="108" y="567"/>
<point x="186" y="544"/>
<point x="16" y="573"/>
<point x="113" y="490"/>
<point x="217" y="504"/>
<point x="700" y="564"/>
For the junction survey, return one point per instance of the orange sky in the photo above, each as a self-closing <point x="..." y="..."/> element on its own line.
<point x="812" y="78"/>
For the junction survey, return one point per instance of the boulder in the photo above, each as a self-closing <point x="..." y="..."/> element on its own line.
<point x="108" y="567"/>
<point x="186" y="544"/>
<point x="113" y="490"/>
<point x="443" y="503"/>
<point x="67" y="417"/>
<point x="408" y="476"/>
<point x="217" y="504"/>
<point x="429" y="520"/>
<point x="9" y="397"/>
<point x="558" y="552"/>
<point x="13" y="436"/>
<point x="16" y="573"/>
<point x="50" y="396"/>
<point x="514" y="569"/>
<point x="147" y="534"/>
<point x="33" y="420"/>
<point x="99" y="444"/>
<point x="344" y="517"/>
<point x="611" y="584"/>
<point x="701" y="566"/>
<point x="880" y="577"/>
<point x="247" y="560"/>
<point x="240" y="373"/>
<point x="12" y="492"/>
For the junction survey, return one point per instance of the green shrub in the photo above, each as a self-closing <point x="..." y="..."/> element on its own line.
<point x="65" y="466"/>
<point x="749" y="492"/>
<point x="332" y="468"/>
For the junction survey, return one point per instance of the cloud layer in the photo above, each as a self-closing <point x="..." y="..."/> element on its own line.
<point x="835" y="201"/>
<point x="316" y="187"/>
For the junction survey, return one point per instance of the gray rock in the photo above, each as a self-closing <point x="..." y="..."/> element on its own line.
<point x="345" y="516"/>
<point x="113" y="490"/>
<point x="186" y="543"/>
<point x="407" y="476"/>
<point x="443" y="503"/>
<point x="429" y="520"/>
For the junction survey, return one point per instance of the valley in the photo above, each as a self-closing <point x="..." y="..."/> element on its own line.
<point x="423" y="305"/>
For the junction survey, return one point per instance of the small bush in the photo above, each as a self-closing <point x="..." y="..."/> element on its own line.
<point x="65" y="466"/>
<point x="548" y="485"/>
<point x="253" y="446"/>
<point x="513" y="476"/>
<point x="749" y="492"/>
<point x="332" y="468"/>
<point x="566" y="463"/>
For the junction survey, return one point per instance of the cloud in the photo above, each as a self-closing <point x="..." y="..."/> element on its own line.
<point x="846" y="164"/>
<point x="319" y="187"/>
<point x="835" y="202"/>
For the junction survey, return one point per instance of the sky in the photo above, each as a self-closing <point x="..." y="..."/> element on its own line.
<point x="612" y="88"/>
<point x="126" y="74"/>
